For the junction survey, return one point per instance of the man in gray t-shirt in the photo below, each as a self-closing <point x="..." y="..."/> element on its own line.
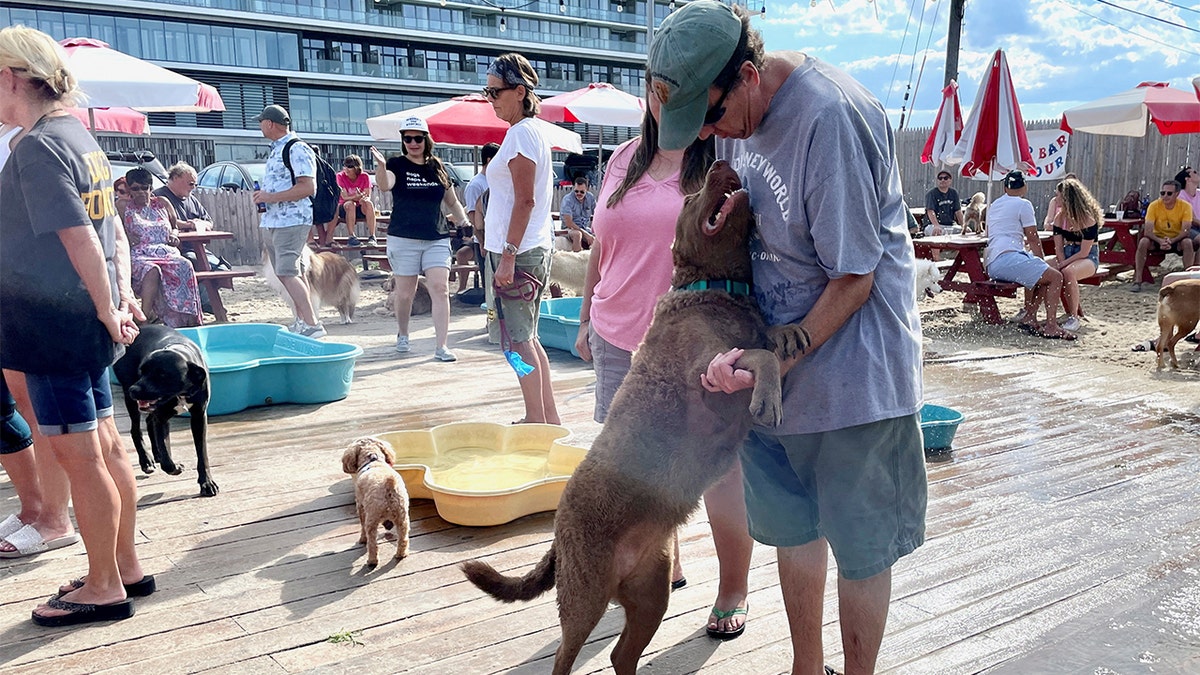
<point x="832" y="254"/>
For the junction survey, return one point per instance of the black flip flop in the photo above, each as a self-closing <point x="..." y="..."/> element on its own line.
<point x="138" y="589"/>
<point x="728" y="635"/>
<point x="679" y="583"/>
<point x="83" y="613"/>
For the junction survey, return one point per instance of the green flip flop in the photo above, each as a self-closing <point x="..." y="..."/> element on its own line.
<point x="727" y="635"/>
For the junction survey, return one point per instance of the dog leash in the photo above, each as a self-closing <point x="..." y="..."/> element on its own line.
<point x="524" y="287"/>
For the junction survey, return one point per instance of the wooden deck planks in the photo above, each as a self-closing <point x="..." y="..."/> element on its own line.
<point x="1065" y="516"/>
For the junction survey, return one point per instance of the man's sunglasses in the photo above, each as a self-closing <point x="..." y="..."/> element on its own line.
<point x="494" y="92"/>
<point x="717" y="111"/>
<point x="581" y="192"/>
<point x="414" y="139"/>
<point x="943" y="177"/>
<point x="1164" y="193"/>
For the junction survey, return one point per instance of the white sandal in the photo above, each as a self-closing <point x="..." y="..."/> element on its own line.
<point x="11" y="524"/>
<point x="28" y="541"/>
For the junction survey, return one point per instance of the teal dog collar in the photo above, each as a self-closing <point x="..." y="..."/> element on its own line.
<point x="727" y="285"/>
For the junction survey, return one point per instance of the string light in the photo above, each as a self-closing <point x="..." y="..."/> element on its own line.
<point x="442" y="3"/>
<point x="562" y="6"/>
<point x="503" y="26"/>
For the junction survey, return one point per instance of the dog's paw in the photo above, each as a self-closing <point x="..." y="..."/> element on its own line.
<point x="172" y="468"/>
<point x="767" y="411"/>
<point x="147" y="467"/>
<point x="209" y="489"/>
<point x="788" y="340"/>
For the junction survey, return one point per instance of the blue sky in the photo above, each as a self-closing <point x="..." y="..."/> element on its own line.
<point x="1058" y="55"/>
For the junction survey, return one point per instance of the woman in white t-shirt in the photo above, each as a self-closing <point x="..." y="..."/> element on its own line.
<point x="520" y="232"/>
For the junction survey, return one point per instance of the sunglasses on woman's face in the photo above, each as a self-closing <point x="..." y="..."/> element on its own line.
<point x="414" y="139"/>
<point x="138" y="188"/>
<point x="494" y="92"/>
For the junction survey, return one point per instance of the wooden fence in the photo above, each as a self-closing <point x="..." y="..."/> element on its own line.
<point x="1110" y="166"/>
<point x="234" y="212"/>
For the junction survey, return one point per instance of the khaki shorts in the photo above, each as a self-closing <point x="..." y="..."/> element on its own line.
<point x="861" y="488"/>
<point x="521" y="317"/>
<point x="284" y="246"/>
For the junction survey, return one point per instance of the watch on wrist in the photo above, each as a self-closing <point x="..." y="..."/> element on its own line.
<point x="510" y="248"/>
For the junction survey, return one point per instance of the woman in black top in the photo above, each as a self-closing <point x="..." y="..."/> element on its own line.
<point x="418" y="236"/>
<point x="1077" y="256"/>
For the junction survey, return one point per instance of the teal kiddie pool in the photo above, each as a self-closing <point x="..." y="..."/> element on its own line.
<point x="559" y="323"/>
<point x="253" y="364"/>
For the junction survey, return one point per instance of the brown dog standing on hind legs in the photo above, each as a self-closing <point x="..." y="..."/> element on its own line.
<point x="666" y="439"/>
<point x="1178" y="309"/>
<point x="379" y="495"/>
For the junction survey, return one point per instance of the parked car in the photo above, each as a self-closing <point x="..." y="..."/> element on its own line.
<point x="124" y="160"/>
<point x="229" y="175"/>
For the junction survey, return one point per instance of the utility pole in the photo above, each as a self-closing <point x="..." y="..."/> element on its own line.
<point x="957" y="9"/>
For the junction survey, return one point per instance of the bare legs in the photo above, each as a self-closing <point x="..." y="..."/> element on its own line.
<point x="536" y="389"/>
<point x="40" y="482"/>
<point x="151" y="290"/>
<point x="862" y="609"/>
<point x="726" y="508"/>
<point x="404" y="290"/>
<point x="298" y="291"/>
<point x="1072" y="275"/>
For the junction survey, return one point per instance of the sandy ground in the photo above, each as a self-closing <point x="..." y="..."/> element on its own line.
<point x="1116" y="319"/>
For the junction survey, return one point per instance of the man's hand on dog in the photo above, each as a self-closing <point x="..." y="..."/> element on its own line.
<point x="723" y="375"/>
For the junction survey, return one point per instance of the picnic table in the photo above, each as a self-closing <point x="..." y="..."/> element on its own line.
<point x="1121" y="250"/>
<point x="213" y="280"/>
<point x="979" y="288"/>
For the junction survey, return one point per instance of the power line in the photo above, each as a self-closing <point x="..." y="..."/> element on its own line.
<point x="1148" y="16"/>
<point x="1183" y="7"/>
<point x="899" y="53"/>
<point x="1127" y="30"/>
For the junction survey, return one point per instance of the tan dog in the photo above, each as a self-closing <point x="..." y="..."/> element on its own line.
<point x="1178" y="309"/>
<point x="568" y="270"/>
<point x="666" y="439"/>
<point x="422" y="303"/>
<point x="331" y="281"/>
<point x="974" y="213"/>
<point x="379" y="494"/>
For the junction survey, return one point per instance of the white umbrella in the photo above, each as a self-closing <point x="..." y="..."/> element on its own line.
<point x="598" y="103"/>
<point x="1130" y="112"/>
<point x="111" y="79"/>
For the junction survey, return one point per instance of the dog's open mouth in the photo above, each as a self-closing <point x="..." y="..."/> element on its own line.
<point x="725" y="205"/>
<point x="147" y="406"/>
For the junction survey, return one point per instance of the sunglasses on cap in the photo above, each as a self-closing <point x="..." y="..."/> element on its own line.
<point x="413" y="139"/>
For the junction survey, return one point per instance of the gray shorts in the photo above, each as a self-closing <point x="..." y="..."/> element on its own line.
<point x="612" y="365"/>
<point x="520" y="317"/>
<point x="410" y="257"/>
<point x="861" y="488"/>
<point x="284" y="246"/>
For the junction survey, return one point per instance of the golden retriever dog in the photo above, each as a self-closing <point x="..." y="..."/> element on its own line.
<point x="1178" y="310"/>
<point x="379" y="494"/>
<point x="666" y="439"/>
<point x="974" y="213"/>
<point x="331" y="281"/>
<point x="928" y="279"/>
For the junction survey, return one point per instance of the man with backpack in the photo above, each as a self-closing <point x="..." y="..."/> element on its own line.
<point x="288" y="185"/>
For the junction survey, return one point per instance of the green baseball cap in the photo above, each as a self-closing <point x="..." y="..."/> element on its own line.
<point x="688" y="52"/>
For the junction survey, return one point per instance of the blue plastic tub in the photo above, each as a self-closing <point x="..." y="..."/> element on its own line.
<point x="938" y="425"/>
<point x="559" y="323"/>
<point x="253" y="364"/>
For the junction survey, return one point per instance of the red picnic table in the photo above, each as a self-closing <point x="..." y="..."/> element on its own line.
<point x="978" y="287"/>
<point x="213" y="280"/>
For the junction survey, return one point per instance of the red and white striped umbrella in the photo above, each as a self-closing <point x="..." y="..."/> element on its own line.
<point x="110" y="78"/>
<point x="465" y="120"/>
<point x="1130" y="112"/>
<point x="993" y="140"/>
<point x="116" y="120"/>
<point x="947" y="128"/>
<point x="598" y="103"/>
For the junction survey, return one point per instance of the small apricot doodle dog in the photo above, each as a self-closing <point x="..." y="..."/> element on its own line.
<point x="379" y="494"/>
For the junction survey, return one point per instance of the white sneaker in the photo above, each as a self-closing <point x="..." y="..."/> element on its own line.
<point x="402" y="344"/>
<point x="443" y="354"/>
<point x="1071" y="324"/>
<point x="315" y="332"/>
<point x="296" y="326"/>
<point x="1019" y="316"/>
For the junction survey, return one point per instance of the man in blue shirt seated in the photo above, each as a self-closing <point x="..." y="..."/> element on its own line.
<point x="576" y="211"/>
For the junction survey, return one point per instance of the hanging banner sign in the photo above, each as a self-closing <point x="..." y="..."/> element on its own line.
<point x="1049" y="150"/>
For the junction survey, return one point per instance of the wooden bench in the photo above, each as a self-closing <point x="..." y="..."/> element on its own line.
<point x="214" y="280"/>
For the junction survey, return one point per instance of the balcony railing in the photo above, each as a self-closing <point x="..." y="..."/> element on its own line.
<point x="444" y="76"/>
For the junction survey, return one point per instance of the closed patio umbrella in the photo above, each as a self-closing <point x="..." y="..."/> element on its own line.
<point x="1131" y="112"/>
<point x="947" y="128"/>
<point x="993" y="141"/>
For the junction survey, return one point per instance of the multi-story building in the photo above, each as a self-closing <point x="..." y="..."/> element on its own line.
<point x="334" y="63"/>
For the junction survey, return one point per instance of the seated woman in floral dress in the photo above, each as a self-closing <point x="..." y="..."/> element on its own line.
<point x="162" y="277"/>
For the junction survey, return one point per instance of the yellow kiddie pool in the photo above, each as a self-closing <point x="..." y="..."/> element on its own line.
<point x="481" y="473"/>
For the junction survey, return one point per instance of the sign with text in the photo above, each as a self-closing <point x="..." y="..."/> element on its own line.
<point x="1049" y="150"/>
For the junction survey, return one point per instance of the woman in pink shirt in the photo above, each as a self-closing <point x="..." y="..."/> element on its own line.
<point x="1189" y="183"/>
<point x="629" y="268"/>
<point x="355" y="200"/>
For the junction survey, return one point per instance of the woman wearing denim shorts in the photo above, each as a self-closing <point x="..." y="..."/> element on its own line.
<point x="1077" y="255"/>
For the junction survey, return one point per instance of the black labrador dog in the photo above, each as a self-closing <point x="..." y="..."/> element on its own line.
<point x="162" y="374"/>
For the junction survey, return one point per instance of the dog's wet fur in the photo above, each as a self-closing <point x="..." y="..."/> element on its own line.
<point x="162" y="374"/>
<point x="1178" y="311"/>
<point x="380" y="497"/>
<point x="666" y="439"/>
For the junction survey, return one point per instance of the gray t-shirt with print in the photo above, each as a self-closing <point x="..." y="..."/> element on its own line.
<point x="823" y="180"/>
